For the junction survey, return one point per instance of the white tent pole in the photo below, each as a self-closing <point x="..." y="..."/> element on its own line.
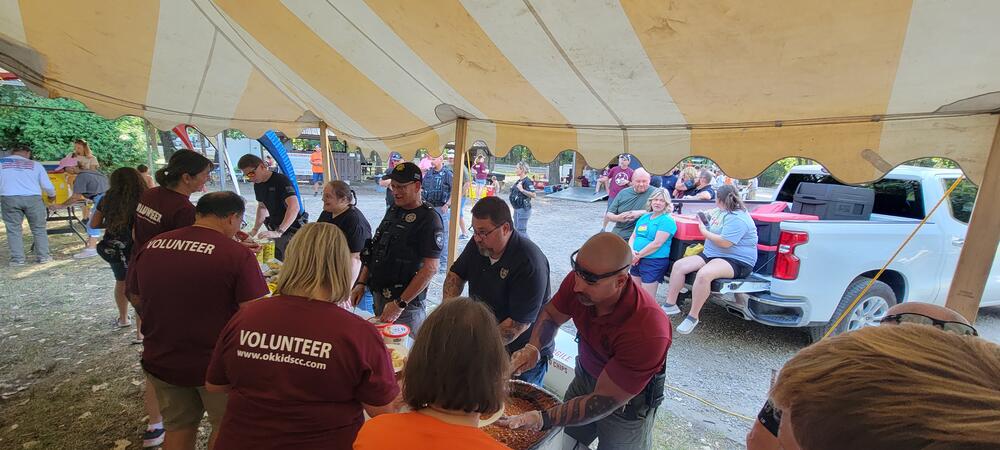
<point x="228" y="163"/>
<point x="981" y="239"/>
<point x="220" y="142"/>
<point x="457" y="168"/>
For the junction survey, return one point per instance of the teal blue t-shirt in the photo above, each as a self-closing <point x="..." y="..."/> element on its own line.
<point x="645" y="232"/>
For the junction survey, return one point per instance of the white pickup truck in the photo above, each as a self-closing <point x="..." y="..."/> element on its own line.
<point x="835" y="259"/>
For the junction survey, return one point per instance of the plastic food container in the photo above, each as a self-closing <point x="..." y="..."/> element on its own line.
<point x="395" y="334"/>
<point x="378" y="323"/>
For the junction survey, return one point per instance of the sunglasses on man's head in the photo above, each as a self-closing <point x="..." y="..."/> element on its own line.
<point x="920" y="319"/>
<point x="591" y="277"/>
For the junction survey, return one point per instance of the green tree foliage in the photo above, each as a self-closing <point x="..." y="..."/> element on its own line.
<point x="49" y="127"/>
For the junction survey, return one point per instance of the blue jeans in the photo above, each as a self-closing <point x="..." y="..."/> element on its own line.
<point x="521" y="217"/>
<point x="367" y="303"/>
<point x="445" y="217"/>
<point x="537" y="374"/>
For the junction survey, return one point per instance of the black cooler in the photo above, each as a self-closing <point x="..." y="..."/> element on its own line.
<point x="833" y="201"/>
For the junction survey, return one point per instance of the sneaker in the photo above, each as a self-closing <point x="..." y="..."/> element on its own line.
<point x="153" y="438"/>
<point x="16" y="263"/>
<point x="671" y="310"/>
<point x="45" y="260"/>
<point x="86" y="253"/>
<point x="687" y="325"/>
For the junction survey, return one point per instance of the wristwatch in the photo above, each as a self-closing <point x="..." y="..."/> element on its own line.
<point x="400" y="303"/>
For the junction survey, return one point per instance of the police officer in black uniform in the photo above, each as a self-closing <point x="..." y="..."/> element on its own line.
<point x="437" y="192"/>
<point x="402" y="256"/>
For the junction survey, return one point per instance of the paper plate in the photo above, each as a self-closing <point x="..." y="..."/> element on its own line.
<point x="495" y="417"/>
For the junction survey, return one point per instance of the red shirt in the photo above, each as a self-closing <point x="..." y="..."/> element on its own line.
<point x="416" y="431"/>
<point x="618" y="179"/>
<point x="160" y="210"/>
<point x="630" y="344"/>
<point x="323" y="362"/>
<point x="190" y="281"/>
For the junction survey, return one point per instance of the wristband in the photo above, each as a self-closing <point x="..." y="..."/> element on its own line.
<point x="546" y="420"/>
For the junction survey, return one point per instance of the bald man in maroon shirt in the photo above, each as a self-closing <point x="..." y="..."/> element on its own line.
<point x="187" y="284"/>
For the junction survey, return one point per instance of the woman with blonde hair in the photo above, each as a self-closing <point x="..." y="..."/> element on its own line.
<point x="902" y="387"/>
<point x="521" y="195"/>
<point x="686" y="182"/>
<point x="85" y="158"/>
<point x="298" y="367"/>
<point x="650" y="241"/>
<point x="447" y="394"/>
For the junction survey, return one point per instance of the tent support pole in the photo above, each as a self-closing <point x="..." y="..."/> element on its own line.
<point x="981" y="239"/>
<point x="458" y="170"/>
<point x="227" y="163"/>
<point x="324" y="145"/>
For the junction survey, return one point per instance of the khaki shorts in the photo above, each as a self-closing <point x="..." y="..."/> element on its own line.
<point x="183" y="407"/>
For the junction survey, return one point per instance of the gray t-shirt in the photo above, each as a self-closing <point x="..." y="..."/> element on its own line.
<point x="90" y="184"/>
<point x="736" y="227"/>
<point x="628" y="200"/>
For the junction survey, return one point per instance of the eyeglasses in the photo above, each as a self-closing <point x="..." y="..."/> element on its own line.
<point x="591" y="277"/>
<point x="394" y="185"/>
<point x="958" y="328"/>
<point x="243" y="224"/>
<point x="483" y="234"/>
<point x="251" y="173"/>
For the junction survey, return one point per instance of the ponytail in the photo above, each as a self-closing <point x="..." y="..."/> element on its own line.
<point x="181" y="162"/>
<point x="730" y="198"/>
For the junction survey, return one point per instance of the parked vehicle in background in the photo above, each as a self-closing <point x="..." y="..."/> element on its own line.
<point x="820" y="266"/>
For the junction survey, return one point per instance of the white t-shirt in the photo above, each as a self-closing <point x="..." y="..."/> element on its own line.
<point x="22" y="176"/>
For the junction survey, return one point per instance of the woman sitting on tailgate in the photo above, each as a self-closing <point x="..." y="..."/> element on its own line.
<point x="730" y="252"/>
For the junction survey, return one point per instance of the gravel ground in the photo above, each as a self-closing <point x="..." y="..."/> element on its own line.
<point x="727" y="361"/>
<point x="68" y="380"/>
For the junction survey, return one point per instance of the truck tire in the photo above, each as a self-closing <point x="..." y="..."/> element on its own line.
<point x="868" y="311"/>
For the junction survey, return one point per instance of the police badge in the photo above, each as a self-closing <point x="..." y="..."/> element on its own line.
<point x="386" y="293"/>
<point x="410" y="218"/>
<point x="503" y="273"/>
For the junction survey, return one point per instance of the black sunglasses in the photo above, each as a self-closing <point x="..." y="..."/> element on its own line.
<point x="591" y="277"/>
<point x="958" y="328"/>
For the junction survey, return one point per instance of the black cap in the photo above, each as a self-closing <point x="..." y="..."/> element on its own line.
<point x="405" y="173"/>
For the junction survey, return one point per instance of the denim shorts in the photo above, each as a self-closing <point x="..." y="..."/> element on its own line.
<point x="650" y="270"/>
<point x="317" y="177"/>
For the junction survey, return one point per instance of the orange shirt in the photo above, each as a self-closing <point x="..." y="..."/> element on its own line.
<point x="415" y="431"/>
<point x="316" y="158"/>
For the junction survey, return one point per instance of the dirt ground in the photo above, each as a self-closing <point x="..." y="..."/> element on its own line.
<point x="70" y="380"/>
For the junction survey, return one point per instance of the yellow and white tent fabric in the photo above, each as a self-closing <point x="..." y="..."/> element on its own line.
<point x="858" y="85"/>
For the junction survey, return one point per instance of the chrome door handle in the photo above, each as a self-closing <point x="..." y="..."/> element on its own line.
<point x="957" y="241"/>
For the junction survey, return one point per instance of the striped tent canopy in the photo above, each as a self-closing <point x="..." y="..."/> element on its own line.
<point x="858" y="85"/>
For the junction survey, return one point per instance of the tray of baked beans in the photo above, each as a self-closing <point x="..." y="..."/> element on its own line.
<point x="521" y="398"/>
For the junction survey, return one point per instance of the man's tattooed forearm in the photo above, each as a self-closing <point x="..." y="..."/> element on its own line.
<point x="453" y="286"/>
<point x="581" y="410"/>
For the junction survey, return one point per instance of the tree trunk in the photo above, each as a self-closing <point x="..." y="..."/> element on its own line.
<point x="167" y="141"/>
<point x="554" y="171"/>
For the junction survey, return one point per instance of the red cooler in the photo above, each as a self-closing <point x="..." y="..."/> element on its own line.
<point x="687" y="234"/>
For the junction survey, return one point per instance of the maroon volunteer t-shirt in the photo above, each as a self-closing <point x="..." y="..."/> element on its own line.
<point x="299" y="370"/>
<point x="190" y="281"/>
<point x="630" y="344"/>
<point x="160" y="210"/>
<point x="618" y="179"/>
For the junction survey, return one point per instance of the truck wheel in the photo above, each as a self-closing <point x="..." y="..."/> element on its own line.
<point x="867" y="312"/>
